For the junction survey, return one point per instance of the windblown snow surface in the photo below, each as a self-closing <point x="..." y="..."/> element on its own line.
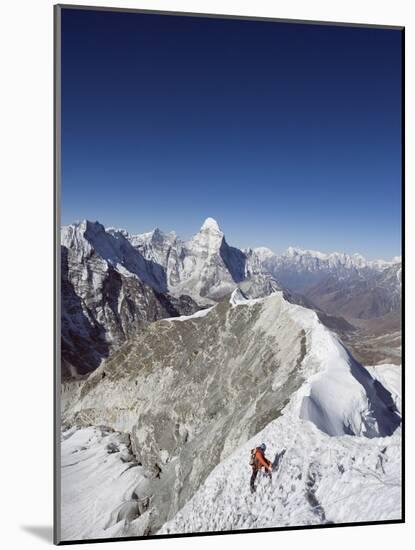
<point x="390" y="377"/>
<point x="99" y="484"/>
<point x="338" y="436"/>
<point x="321" y="479"/>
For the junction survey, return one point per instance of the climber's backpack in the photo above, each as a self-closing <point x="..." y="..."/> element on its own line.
<point x="252" y="459"/>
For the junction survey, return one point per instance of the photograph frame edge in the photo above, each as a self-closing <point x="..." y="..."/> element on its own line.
<point x="57" y="272"/>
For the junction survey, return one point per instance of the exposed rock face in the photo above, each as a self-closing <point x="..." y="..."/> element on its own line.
<point x="109" y="291"/>
<point x="192" y="389"/>
<point x="164" y="249"/>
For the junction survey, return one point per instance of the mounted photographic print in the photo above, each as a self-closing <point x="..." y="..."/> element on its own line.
<point x="229" y="225"/>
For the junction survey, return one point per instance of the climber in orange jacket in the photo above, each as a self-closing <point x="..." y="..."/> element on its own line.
<point x="258" y="461"/>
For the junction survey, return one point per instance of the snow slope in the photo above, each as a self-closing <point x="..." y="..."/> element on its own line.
<point x="103" y="489"/>
<point x="321" y="479"/>
<point x="339" y="396"/>
<point x="389" y="376"/>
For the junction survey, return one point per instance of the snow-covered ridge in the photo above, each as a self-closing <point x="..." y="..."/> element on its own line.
<point x="238" y="298"/>
<point x="339" y="396"/>
<point x="324" y="475"/>
<point x="319" y="480"/>
<point x="198" y="315"/>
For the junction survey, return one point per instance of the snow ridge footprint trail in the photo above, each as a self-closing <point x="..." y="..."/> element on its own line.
<point x="311" y="488"/>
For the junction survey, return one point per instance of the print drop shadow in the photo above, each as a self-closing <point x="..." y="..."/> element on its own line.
<point x="42" y="532"/>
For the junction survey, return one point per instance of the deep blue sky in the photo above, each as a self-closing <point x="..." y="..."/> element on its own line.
<point x="287" y="134"/>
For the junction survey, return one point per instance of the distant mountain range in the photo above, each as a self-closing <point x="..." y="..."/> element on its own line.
<point x="340" y="284"/>
<point x="113" y="283"/>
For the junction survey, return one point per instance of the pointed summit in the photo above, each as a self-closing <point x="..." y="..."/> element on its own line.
<point x="157" y="235"/>
<point x="210" y="225"/>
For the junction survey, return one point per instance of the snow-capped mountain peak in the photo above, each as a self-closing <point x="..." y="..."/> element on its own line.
<point x="208" y="240"/>
<point x="211" y="225"/>
<point x="71" y="231"/>
<point x="158" y="236"/>
<point x="263" y="253"/>
<point x="315" y="259"/>
<point x="293" y="252"/>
